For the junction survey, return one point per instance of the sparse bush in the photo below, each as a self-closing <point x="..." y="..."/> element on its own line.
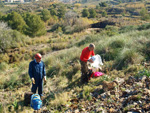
<point x="22" y="50"/>
<point x="144" y="27"/>
<point x="127" y="29"/>
<point x="85" y="13"/>
<point x="92" y="13"/>
<point x="16" y="105"/>
<point x="143" y="72"/>
<point x="35" y="26"/>
<point x="45" y="15"/>
<point x="10" y="38"/>
<point x="3" y="66"/>
<point x="53" y="12"/>
<point x="110" y="30"/>
<point x="86" y="94"/>
<point x="4" y="58"/>
<point x="55" y="26"/>
<point x="60" y="99"/>
<point x="53" y="20"/>
<point x="16" y="22"/>
<point x="61" y="12"/>
<point x="126" y="57"/>
<point x="117" y="44"/>
<point x="27" y="57"/>
<point x="104" y="14"/>
<point x="59" y="46"/>
<point x="42" y="52"/>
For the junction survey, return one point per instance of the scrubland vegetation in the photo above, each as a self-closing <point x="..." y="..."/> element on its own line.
<point x="59" y="32"/>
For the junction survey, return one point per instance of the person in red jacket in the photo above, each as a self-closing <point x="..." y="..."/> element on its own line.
<point x="84" y="58"/>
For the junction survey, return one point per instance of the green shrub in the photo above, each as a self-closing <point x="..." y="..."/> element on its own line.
<point x="55" y="27"/>
<point x="125" y="29"/>
<point x="16" y="21"/>
<point x="118" y="43"/>
<point x="68" y="30"/>
<point x="3" y="66"/>
<point x="143" y="72"/>
<point x="45" y="15"/>
<point x="146" y="50"/>
<point x="126" y="57"/>
<point x="4" y="58"/>
<point x="42" y="52"/>
<point x="88" y="39"/>
<point x="85" y="13"/>
<point x="16" y="105"/>
<point x="59" y="46"/>
<point x="110" y="30"/>
<point x="35" y="26"/>
<point x="10" y="39"/>
<point x="86" y="94"/>
<point x="27" y="56"/>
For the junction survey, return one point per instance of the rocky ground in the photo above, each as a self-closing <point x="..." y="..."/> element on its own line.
<point x="130" y="95"/>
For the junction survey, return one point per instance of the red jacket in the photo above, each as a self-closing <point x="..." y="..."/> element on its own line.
<point x="86" y="53"/>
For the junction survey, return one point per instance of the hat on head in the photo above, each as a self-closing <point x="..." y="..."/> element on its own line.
<point x="38" y="56"/>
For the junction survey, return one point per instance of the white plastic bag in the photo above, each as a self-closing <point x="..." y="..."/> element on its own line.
<point x="97" y="61"/>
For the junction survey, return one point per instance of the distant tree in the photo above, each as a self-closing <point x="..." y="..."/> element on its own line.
<point x="4" y="37"/>
<point x="36" y="26"/>
<point x="70" y="18"/>
<point x="103" y="4"/>
<point x="92" y="13"/>
<point x="61" y="11"/>
<point x="45" y="15"/>
<point x="104" y="14"/>
<point x="15" y="21"/>
<point x="85" y="13"/>
<point x="53" y="12"/>
<point x="143" y="11"/>
<point x="144" y="14"/>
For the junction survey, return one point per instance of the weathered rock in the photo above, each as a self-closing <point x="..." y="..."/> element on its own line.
<point x="73" y="107"/>
<point x="119" y="81"/>
<point x="146" y="107"/>
<point x="109" y="85"/>
<point x="76" y="111"/>
<point x="27" y="98"/>
<point x="147" y="82"/>
<point x="146" y="91"/>
<point x="143" y="78"/>
<point x="112" y="110"/>
<point x="140" y="84"/>
<point x="131" y="80"/>
<point x="97" y="92"/>
<point x="75" y="100"/>
<point x="132" y="112"/>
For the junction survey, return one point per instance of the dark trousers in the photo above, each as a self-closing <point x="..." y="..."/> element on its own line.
<point x="39" y="86"/>
<point x="84" y="72"/>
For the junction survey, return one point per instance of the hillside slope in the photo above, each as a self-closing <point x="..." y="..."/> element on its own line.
<point x="122" y="53"/>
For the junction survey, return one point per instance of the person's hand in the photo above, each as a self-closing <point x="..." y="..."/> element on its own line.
<point x="91" y="61"/>
<point x="44" y="80"/>
<point x="33" y="80"/>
